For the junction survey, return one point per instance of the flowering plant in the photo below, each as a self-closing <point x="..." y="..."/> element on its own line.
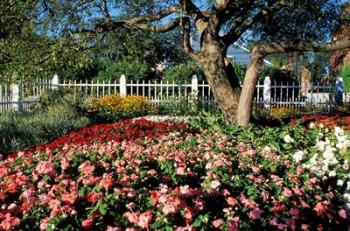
<point x="112" y="107"/>
<point x="137" y="174"/>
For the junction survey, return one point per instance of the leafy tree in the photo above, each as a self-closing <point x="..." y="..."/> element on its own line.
<point x="270" y="26"/>
<point x="182" y="72"/>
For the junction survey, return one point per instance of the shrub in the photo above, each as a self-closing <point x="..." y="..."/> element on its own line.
<point x="112" y="107"/>
<point x="133" y="69"/>
<point x="21" y="130"/>
<point x="63" y="97"/>
<point x="182" y="72"/>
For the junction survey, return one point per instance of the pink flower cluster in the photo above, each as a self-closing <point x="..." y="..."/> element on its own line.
<point x="141" y="175"/>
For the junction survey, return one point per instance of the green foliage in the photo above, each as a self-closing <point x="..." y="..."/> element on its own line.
<point x="182" y="73"/>
<point x="240" y="70"/>
<point x="22" y="130"/>
<point x="133" y="69"/>
<point x="77" y="101"/>
<point x="277" y="74"/>
<point x="345" y="74"/>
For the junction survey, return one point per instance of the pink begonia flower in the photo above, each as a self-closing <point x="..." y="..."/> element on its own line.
<point x="287" y="192"/>
<point x="87" y="168"/>
<point x="9" y="222"/>
<point x="305" y="227"/>
<point x="248" y="202"/>
<point x="320" y="209"/>
<point x="107" y="181"/>
<point x="169" y="209"/>
<point x="231" y="201"/>
<point x="217" y="223"/>
<point x="87" y="223"/>
<point x="297" y="191"/>
<point x="145" y="219"/>
<point x="294" y="212"/>
<point x="64" y="163"/>
<point x="233" y="224"/>
<point x="110" y="228"/>
<point x="132" y="217"/>
<point x="199" y="205"/>
<point x="45" y="167"/>
<point x="70" y="198"/>
<point x="43" y="223"/>
<point x="342" y="213"/>
<point x="131" y="194"/>
<point x="189" y="214"/>
<point x="255" y="213"/>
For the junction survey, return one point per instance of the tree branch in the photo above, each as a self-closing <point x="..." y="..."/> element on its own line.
<point x="241" y="25"/>
<point x="154" y="17"/>
<point x="105" y="9"/>
<point x="187" y="37"/>
<point x="282" y="47"/>
<point x="191" y="9"/>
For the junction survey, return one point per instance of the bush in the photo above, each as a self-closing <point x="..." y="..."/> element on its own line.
<point x="113" y="107"/>
<point x="133" y="69"/>
<point x="22" y="130"/>
<point x="68" y="98"/>
<point x="345" y="74"/>
<point x="182" y="73"/>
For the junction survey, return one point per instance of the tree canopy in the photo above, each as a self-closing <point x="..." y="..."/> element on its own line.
<point x="271" y="27"/>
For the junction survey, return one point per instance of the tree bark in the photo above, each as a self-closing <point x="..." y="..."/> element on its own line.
<point x="244" y="110"/>
<point x="223" y="81"/>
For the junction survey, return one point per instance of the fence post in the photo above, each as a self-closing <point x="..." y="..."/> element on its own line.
<point x="194" y="85"/>
<point x="267" y="92"/>
<point x="339" y="90"/>
<point x="122" y="85"/>
<point x="16" y="98"/>
<point x="55" y="81"/>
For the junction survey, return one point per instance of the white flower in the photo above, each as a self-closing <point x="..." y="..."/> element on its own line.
<point x="328" y="154"/>
<point x="321" y="126"/>
<point x="312" y="124"/>
<point x="332" y="173"/>
<point x="340" y="182"/>
<point x="298" y="156"/>
<point x="346" y="197"/>
<point x="214" y="184"/>
<point x="338" y="131"/>
<point x="346" y="165"/>
<point x="288" y="139"/>
<point x="267" y="149"/>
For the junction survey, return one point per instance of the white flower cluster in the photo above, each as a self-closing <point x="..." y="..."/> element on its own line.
<point x="342" y="140"/>
<point x="324" y="163"/>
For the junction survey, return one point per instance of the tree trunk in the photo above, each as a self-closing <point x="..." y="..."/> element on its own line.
<point x="223" y="81"/>
<point x="246" y="100"/>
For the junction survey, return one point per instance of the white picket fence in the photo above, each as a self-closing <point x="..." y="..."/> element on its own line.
<point x="267" y="94"/>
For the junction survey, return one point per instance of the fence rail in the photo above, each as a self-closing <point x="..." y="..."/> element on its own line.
<point x="267" y="93"/>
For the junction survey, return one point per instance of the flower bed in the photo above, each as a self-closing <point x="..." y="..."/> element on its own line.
<point x="137" y="174"/>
